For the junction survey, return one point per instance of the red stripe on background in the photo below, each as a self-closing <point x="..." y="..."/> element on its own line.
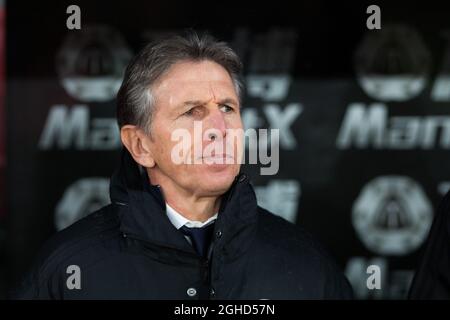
<point x="2" y="111"/>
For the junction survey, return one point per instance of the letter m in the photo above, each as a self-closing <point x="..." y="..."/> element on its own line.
<point x="64" y="126"/>
<point x="362" y="126"/>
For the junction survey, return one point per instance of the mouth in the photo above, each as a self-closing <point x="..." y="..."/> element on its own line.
<point x="218" y="158"/>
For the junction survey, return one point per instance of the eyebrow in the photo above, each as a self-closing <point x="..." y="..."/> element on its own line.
<point x="229" y="101"/>
<point x="191" y="103"/>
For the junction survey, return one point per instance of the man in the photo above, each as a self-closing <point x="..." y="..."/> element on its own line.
<point x="189" y="229"/>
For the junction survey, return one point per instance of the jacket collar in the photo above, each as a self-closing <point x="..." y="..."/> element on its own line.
<point x="142" y="210"/>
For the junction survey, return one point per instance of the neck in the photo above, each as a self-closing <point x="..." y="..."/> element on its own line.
<point x="195" y="209"/>
<point x="190" y="205"/>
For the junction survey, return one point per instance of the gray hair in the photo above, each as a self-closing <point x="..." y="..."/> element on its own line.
<point x="135" y="101"/>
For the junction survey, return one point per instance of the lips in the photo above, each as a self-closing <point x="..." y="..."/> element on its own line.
<point x="217" y="159"/>
<point x="218" y="156"/>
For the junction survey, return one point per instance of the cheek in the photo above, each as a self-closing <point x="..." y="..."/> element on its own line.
<point x="236" y="123"/>
<point x="163" y="144"/>
<point x="181" y="147"/>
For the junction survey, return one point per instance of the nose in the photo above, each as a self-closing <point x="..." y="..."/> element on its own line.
<point x="215" y="125"/>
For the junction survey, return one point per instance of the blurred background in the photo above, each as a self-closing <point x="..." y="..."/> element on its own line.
<point x="363" y="114"/>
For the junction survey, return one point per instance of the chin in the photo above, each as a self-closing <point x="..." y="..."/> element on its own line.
<point x="218" y="177"/>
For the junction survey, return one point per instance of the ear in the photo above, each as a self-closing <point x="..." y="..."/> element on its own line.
<point x="138" y="144"/>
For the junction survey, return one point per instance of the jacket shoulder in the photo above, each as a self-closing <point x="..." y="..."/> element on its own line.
<point x="84" y="234"/>
<point x="288" y="236"/>
<point x="84" y="242"/>
<point x="432" y="275"/>
<point x="296" y="247"/>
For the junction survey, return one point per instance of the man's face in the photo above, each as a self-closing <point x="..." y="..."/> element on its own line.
<point x="198" y="95"/>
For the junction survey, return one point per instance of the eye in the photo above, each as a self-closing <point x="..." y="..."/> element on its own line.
<point x="226" y="108"/>
<point x="190" y="112"/>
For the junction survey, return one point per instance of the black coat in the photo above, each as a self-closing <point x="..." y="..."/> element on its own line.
<point x="130" y="250"/>
<point x="432" y="277"/>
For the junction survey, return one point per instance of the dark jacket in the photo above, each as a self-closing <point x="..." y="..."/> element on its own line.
<point x="432" y="277"/>
<point x="130" y="250"/>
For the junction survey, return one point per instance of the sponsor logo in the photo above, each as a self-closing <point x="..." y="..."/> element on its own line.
<point x="81" y="198"/>
<point x="71" y="127"/>
<point x="280" y="197"/>
<point x="392" y="215"/>
<point x="370" y="127"/>
<point x="91" y="62"/>
<point x="443" y="187"/>
<point x="392" y="64"/>
<point x="277" y="118"/>
<point x="67" y="128"/>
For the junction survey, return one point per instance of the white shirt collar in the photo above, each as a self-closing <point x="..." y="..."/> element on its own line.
<point x="178" y="220"/>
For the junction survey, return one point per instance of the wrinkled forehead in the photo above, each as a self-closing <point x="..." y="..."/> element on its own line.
<point x="202" y="81"/>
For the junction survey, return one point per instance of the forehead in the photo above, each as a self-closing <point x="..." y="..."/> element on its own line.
<point x="199" y="80"/>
